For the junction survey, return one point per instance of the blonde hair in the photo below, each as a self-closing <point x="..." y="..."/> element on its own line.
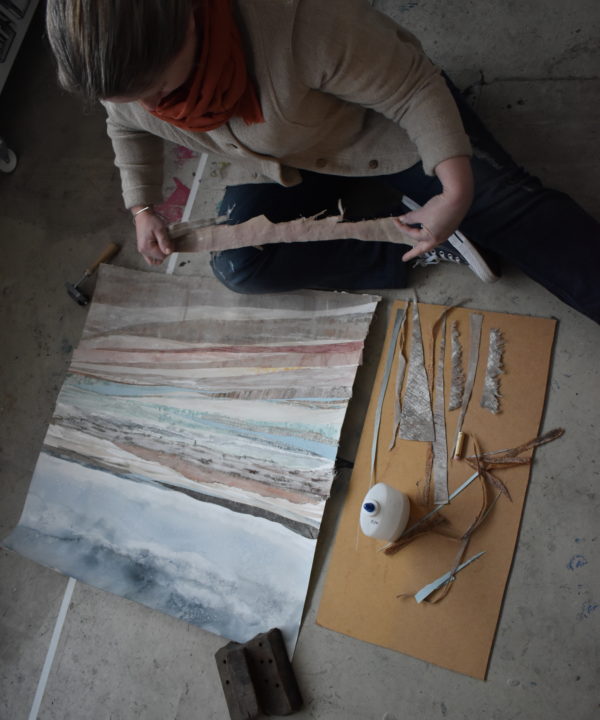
<point x="115" y="48"/>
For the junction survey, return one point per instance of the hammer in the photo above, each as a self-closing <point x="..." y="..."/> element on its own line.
<point x="110" y="251"/>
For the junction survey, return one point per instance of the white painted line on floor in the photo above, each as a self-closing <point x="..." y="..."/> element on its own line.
<point x="187" y="210"/>
<point x="60" y="621"/>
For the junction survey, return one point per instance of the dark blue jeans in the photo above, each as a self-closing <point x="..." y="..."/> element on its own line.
<point x="513" y="216"/>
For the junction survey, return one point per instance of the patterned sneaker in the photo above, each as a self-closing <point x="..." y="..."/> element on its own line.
<point x="456" y="249"/>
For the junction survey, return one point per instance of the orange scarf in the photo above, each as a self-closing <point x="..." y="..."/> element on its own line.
<point x="220" y="87"/>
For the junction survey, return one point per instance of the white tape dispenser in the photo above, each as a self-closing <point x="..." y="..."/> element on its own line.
<point x="384" y="512"/>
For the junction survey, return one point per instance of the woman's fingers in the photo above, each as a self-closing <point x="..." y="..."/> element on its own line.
<point x="430" y="225"/>
<point x="149" y="248"/>
<point x="153" y="240"/>
<point x="425" y="241"/>
<point x="164" y="242"/>
<point x="420" y="231"/>
<point x="424" y="237"/>
<point x="420" y="248"/>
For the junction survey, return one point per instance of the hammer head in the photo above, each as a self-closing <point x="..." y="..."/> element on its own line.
<point x="76" y="294"/>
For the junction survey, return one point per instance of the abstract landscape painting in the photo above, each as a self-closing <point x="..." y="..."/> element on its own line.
<point x="192" y="448"/>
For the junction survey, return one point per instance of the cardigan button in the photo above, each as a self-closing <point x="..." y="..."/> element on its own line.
<point x="373" y="164"/>
<point x="321" y="162"/>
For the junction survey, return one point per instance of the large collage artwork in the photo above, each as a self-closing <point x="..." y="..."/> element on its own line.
<point x="192" y="448"/>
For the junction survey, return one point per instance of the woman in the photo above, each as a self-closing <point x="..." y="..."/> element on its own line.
<point x="320" y="103"/>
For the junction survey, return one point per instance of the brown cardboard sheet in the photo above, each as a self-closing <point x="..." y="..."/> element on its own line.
<point x="362" y="584"/>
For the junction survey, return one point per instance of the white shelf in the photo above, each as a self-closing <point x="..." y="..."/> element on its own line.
<point x="20" y="25"/>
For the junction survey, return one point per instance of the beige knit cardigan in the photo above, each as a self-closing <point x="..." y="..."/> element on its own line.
<point x="344" y="90"/>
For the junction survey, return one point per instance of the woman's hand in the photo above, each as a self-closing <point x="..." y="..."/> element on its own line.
<point x="441" y="215"/>
<point x="152" y="237"/>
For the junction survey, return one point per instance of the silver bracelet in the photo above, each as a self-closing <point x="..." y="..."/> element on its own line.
<point x="141" y="210"/>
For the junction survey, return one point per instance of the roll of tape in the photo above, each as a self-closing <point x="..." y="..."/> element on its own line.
<point x="384" y="512"/>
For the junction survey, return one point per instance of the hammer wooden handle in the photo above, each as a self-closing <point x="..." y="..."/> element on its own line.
<point x="111" y="250"/>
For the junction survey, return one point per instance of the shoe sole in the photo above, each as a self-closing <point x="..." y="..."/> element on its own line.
<point x="464" y="247"/>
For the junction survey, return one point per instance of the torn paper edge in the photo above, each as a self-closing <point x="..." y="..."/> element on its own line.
<point x="193" y="237"/>
<point x="490" y="397"/>
<point x="416" y="420"/>
<point x="457" y="384"/>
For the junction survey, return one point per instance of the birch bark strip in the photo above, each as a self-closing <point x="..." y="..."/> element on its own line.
<point x="440" y="446"/>
<point x="476" y="321"/>
<point x="416" y="418"/>
<point x="194" y="237"/>
<point x="400" y="372"/>
<point x="457" y="385"/>
<point x="450" y="576"/>
<point x="490" y="398"/>
<point x="398" y="322"/>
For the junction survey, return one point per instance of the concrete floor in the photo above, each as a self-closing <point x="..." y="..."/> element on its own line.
<point x="533" y="67"/>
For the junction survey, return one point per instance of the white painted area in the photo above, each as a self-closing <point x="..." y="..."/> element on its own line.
<point x="196" y="561"/>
